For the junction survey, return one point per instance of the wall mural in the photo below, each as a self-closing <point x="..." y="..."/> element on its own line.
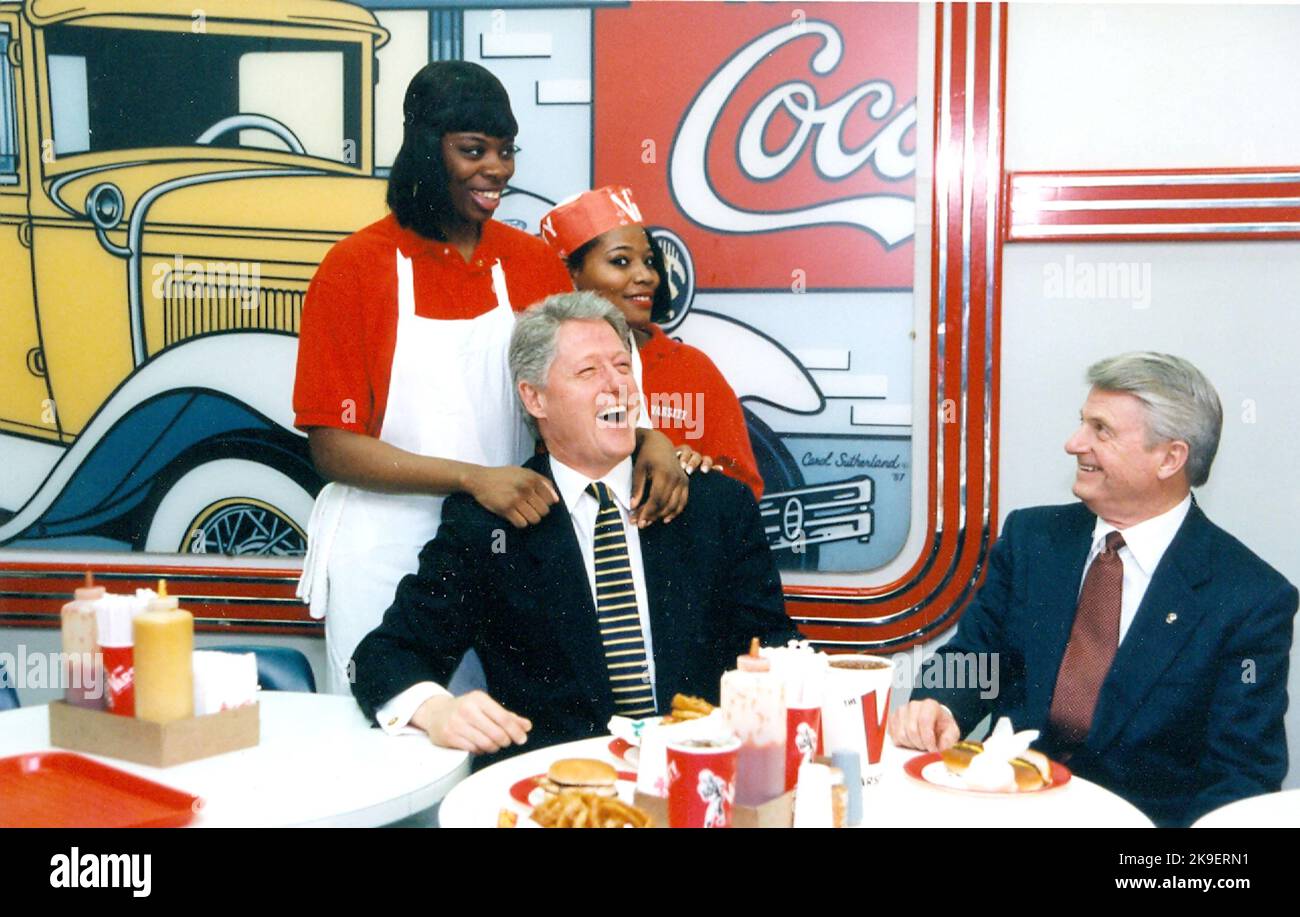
<point x="159" y="440"/>
<point x="179" y="201"/>
<point x="171" y="177"/>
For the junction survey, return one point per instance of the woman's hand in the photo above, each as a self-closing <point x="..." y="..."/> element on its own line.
<point x="658" y="466"/>
<point x="516" y="494"/>
<point x="521" y="496"/>
<point x="691" y="460"/>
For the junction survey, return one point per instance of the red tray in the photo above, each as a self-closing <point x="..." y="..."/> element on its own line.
<point x="57" y="789"/>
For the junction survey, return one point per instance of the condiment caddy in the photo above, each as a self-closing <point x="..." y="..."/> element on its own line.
<point x="151" y="718"/>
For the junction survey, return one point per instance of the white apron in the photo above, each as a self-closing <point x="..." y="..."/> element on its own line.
<point x="449" y="396"/>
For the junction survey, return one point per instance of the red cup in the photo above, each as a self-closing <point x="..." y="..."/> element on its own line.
<point x="119" y="679"/>
<point x="702" y="783"/>
<point x="803" y="734"/>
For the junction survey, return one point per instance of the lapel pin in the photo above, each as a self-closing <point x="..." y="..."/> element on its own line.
<point x="1171" y="617"/>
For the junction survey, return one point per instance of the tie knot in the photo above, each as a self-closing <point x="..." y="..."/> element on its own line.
<point x="1114" y="541"/>
<point x="600" y="492"/>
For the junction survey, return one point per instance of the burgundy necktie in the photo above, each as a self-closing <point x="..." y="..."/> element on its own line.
<point x="1094" y="639"/>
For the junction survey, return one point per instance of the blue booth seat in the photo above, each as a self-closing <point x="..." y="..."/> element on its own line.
<point x="279" y="668"/>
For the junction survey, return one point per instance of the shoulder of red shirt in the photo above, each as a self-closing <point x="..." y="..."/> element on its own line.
<point x="544" y="272"/>
<point x="684" y="356"/>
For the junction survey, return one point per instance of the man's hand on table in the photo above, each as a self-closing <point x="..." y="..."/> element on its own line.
<point x="473" y="722"/>
<point x="923" y="724"/>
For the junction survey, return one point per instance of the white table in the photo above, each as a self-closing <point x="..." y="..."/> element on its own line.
<point x="319" y="764"/>
<point x="898" y="801"/>
<point x="1271" y="810"/>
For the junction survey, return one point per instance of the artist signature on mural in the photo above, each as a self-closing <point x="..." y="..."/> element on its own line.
<point x="852" y="460"/>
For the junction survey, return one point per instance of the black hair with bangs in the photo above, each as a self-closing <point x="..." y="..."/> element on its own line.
<point x="445" y="97"/>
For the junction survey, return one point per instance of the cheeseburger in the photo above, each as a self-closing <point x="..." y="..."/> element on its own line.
<point x="580" y="775"/>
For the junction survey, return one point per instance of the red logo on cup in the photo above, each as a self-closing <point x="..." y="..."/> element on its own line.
<point x="803" y="726"/>
<point x="702" y="784"/>
<point x="874" y="724"/>
<point x="119" y="669"/>
<point x="780" y="141"/>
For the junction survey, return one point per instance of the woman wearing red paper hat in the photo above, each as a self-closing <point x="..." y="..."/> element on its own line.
<point x="603" y="241"/>
<point x="403" y="386"/>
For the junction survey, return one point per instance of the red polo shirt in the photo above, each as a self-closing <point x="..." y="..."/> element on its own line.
<point x="349" y="319"/>
<point x="691" y="403"/>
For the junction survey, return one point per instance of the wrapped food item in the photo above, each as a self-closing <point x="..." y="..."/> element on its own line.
<point x="1002" y="763"/>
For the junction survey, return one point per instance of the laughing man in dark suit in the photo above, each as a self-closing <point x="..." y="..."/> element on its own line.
<point x="581" y="615"/>
<point x="1163" y="679"/>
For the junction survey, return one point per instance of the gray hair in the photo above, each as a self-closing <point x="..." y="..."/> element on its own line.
<point x="532" y="345"/>
<point x="1180" y="402"/>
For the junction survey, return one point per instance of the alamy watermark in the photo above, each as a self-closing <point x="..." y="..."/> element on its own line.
<point x="1128" y="281"/>
<point x="103" y="870"/>
<point x="678" y="411"/>
<point x="58" y="671"/>
<point x="240" y="280"/>
<point x="914" y="669"/>
<point x="666" y="410"/>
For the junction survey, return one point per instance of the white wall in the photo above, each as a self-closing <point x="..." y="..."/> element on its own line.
<point x="1145" y="87"/>
<point x="400" y="59"/>
<point x="1152" y="86"/>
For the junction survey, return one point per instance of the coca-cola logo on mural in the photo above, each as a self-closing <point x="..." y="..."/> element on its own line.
<point x="777" y="140"/>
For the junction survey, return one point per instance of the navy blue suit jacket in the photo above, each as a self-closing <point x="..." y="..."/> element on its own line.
<point x="1190" y="716"/>
<point x="521" y="598"/>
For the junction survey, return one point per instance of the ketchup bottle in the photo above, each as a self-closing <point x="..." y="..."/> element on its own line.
<point x="753" y="704"/>
<point x="83" y="674"/>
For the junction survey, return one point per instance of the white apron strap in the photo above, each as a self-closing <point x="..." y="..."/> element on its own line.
<point x="643" y="416"/>
<point x="405" y="287"/>
<point x="499" y="285"/>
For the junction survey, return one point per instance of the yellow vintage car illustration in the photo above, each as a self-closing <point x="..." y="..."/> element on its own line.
<point x="169" y="180"/>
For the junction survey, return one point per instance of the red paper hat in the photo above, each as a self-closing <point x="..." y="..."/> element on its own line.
<point x="580" y="219"/>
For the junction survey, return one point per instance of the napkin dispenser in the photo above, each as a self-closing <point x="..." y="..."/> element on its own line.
<point x="155" y="744"/>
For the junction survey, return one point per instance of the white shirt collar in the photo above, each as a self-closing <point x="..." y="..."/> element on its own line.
<point x="1149" y="539"/>
<point x="572" y="484"/>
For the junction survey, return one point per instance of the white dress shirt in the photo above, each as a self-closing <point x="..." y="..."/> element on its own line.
<point x="395" y="716"/>
<point x="1144" y="545"/>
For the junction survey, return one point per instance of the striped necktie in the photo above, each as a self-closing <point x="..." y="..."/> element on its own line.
<point x="616" y="612"/>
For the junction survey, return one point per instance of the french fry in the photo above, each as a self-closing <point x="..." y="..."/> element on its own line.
<point x="587" y="810"/>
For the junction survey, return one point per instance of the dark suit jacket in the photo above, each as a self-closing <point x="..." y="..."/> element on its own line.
<point x="521" y="598"/>
<point x="1190" y="716"/>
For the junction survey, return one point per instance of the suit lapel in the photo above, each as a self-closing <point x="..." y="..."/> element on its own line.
<point x="663" y="559"/>
<point x="567" y="595"/>
<point x="1054" y="606"/>
<point x="1153" y="640"/>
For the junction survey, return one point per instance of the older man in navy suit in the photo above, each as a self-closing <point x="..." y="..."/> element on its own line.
<point x="581" y="615"/>
<point x="1147" y="645"/>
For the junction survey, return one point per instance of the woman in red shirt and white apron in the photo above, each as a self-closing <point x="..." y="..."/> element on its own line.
<point x="436" y="283"/>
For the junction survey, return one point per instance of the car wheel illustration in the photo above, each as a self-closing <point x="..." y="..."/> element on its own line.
<point x="232" y="506"/>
